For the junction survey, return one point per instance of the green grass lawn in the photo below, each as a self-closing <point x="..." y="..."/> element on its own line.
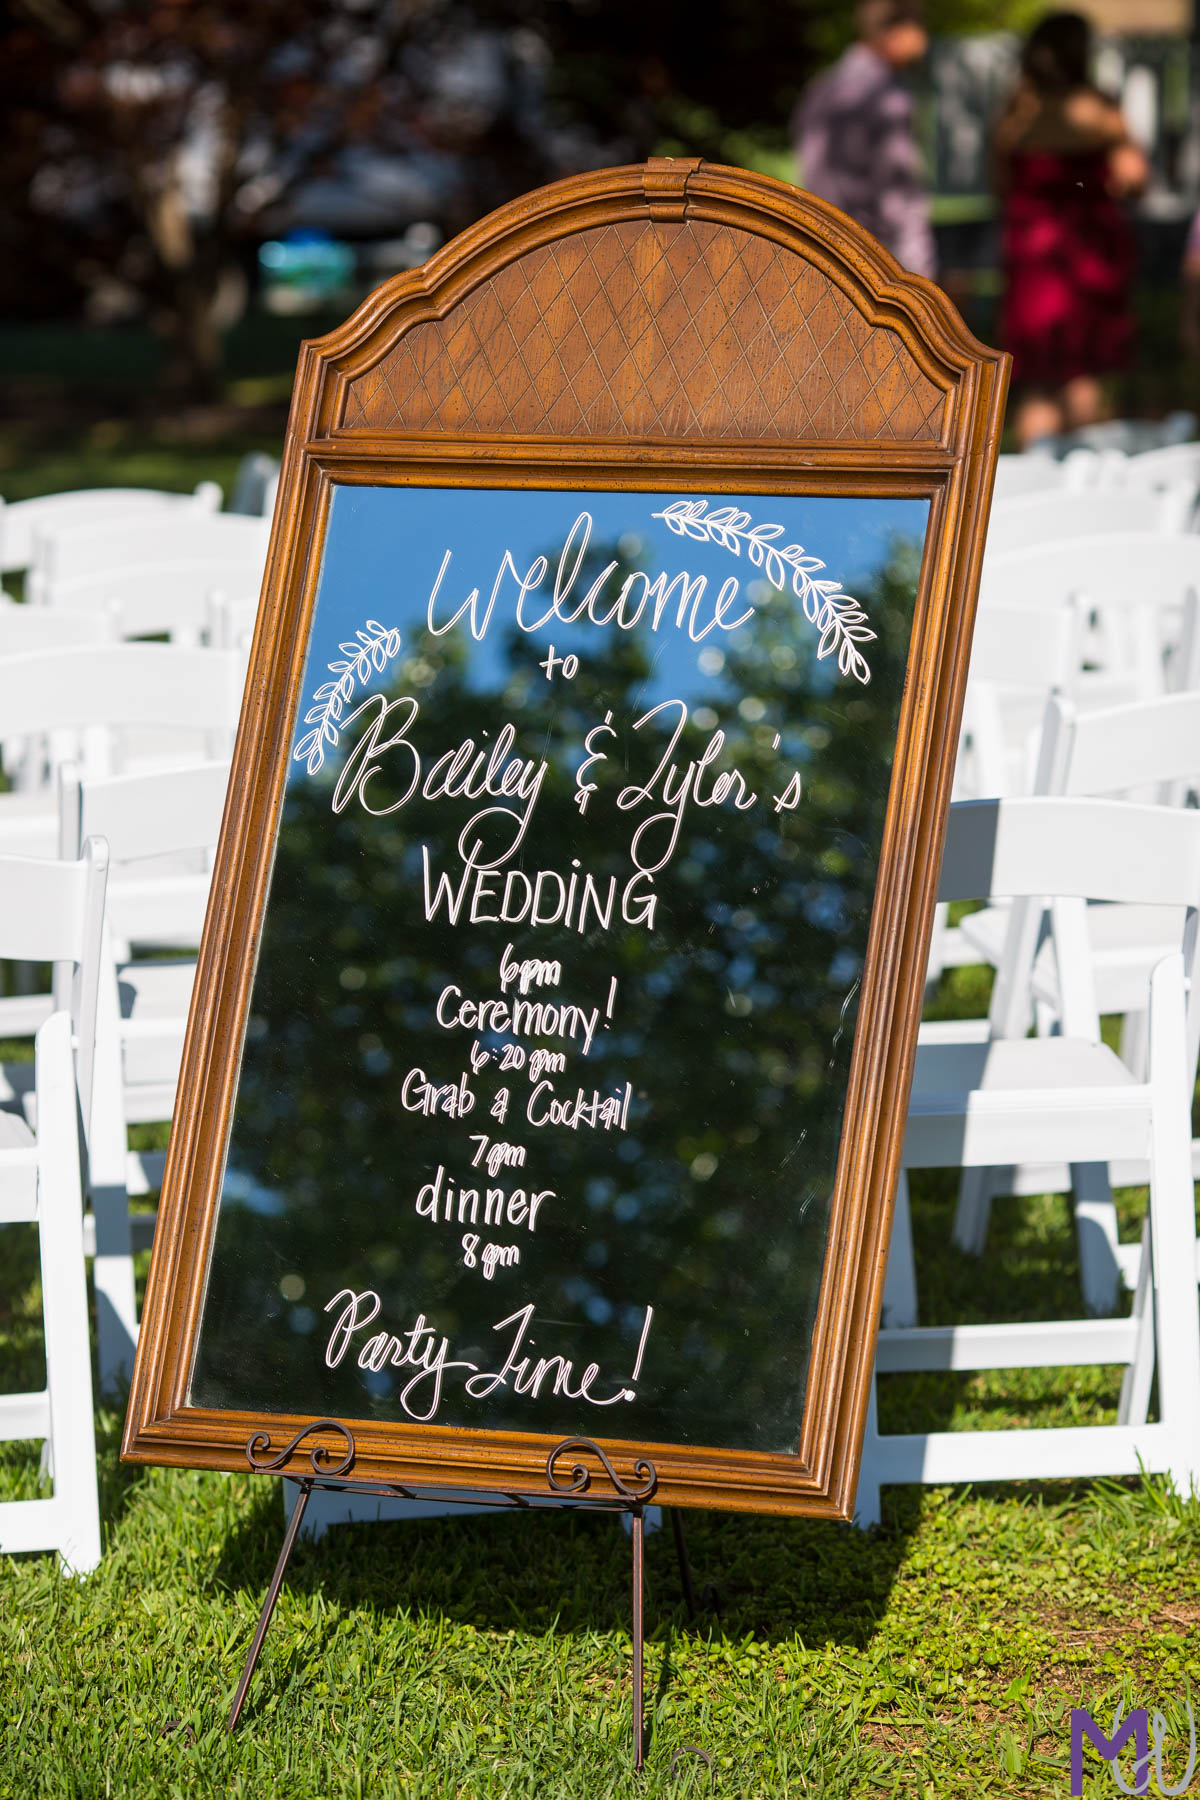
<point x="489" y="1656"/>
<point x="87" y="407"/>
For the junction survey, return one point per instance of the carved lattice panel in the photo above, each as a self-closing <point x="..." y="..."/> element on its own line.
<point x="651" y="329"/>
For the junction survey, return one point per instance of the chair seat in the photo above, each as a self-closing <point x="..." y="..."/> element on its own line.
<point x="14" y="1132"/>
<point x="21" y="1014"/>
<point x="29" y="823"/>
<point x="154" y="999"/>
<point x="18" y="1170"/>
<point x="16" y="1091"/>
<point x="1124" y="943"/>
<point x="168" y="910"/>
<point x="984" y="932"/>
<point x="1023" y="1100"/>
<point x="156" y="990"/>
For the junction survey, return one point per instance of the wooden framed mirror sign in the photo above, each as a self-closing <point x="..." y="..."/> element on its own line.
<point x="548" y="1061"/>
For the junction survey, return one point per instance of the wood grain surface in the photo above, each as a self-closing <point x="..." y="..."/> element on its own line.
<point x="649" y="329"/>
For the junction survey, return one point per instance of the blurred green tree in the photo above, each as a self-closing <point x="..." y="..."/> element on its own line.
<point x="720" y="82"/>
<point x="150" y="144"/>
<point x="734" y="1025"/>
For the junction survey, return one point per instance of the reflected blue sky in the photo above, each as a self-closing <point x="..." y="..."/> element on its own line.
<point x="385" y="547"/>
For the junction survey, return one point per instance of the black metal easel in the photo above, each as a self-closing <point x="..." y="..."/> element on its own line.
<point x="328" y="1466"/>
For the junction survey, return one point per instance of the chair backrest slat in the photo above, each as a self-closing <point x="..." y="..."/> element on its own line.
<point x="42" y="909"/>
<point x="1120" y="748"/>
<point x="1091" y="849"/>
<point x="22" y="520"/>
<point x="142" y="816"/>
<point x="160" y="685"/>
<point x="1041" y="518"/>
<point x="26" y="628"/>
<point x="1113" y="568"/>
<point x="138" y="539"/>
<point x="54" y="912"/>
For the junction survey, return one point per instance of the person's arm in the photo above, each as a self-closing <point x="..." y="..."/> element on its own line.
<point x="1010" y="129"/>
<point x="1128" y="168"/>
<point x="902" y="198"/>
<point x="1101" y="123"/>
<point x="1128" y="164"/>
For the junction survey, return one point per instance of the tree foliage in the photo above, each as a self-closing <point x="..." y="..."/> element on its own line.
<point x="734" y="1028"/>
<point x="150" y="144"/>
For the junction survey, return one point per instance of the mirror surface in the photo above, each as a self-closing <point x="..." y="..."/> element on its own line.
<point x="542" y="1087"/>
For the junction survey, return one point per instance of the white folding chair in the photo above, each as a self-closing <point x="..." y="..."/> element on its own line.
<point x="1165" y="468"/>
<point x="22" y="520"/>
<point x="1019" y="654"/>
<point x="52" y="912"/>
<point x="161" y="599"/>
<point x="155" y="705"/>
<point x="1148" y="593"/>
<point x="1140" y="752"/>
<point x="1147" y="752"/>
<point x="1028" y="472"/>
<point x="1143" y="750"/>
<point x="25" y="628"/>
<point x="1067" y="1099"/>
<point x="62" y="556"/>
<point x="149" y="821"/>
<point x="1042" y="518"/>
<point x="152" y="704"/>
<point x="1139" y="593"/>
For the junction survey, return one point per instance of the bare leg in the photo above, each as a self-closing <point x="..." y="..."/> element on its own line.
<point x="1037" y="416"/>
<point x="1083" y="401"/>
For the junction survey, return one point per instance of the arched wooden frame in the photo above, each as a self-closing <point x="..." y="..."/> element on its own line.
<point x="667" y="325"/>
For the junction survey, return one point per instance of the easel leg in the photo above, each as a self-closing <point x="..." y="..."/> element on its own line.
<point x="637" y="1520"/>
<point x="264" y="1618"/>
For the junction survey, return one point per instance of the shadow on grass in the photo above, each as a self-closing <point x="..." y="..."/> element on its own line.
<point x="118" y="1481"/>
<point x="1029" y="1271"/>
<point x="776" y="1578"/>
<point x="567" y="1572"/>
<point x="570" y="1572"/>
<point x="554" y="1573"/>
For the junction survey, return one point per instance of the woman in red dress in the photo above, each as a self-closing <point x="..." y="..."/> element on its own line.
<point x="1064" y="163"/>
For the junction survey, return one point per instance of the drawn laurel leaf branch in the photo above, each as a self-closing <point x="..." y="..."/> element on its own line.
<point x="838" y="616"/>
<point x="373" y="647"/>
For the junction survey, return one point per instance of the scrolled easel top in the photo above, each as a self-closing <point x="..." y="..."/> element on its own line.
<point x="668" y="301"/>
